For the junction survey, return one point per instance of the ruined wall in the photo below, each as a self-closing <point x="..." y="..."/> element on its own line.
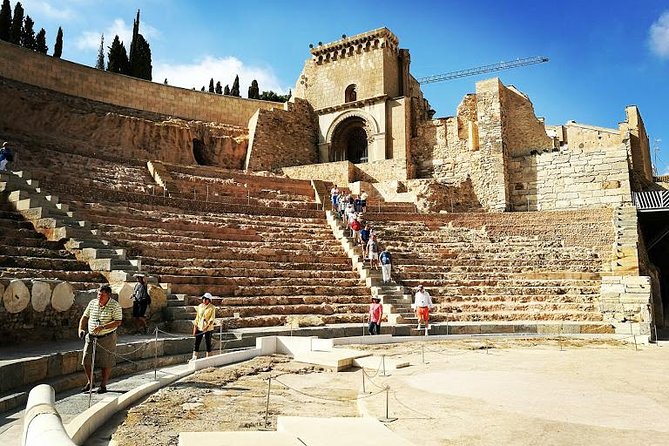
<point x="78" y="80"/>
<point x="385" y="170"/>
<point x="282" y="138"/>
<point x="521" y="130"/>
<point x="570" y="179"/>
<point x="634" y="130"/>
<point x="76" y="125"/>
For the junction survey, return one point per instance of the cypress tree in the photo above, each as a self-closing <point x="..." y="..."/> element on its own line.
<point x="235" y="87"/>
<point x="254" y="90"/>
<point x="219" y="88"/>
<point x="117" y="59"/>
<point x="211" y="85"/>
<point x="16" y="32"/>
<point x="140" y="53"/>
<point x="5" y="20"/>
<point x="40" y="42"/>
<point x="100" y="63"/>
<point x="28" y="36"/>
<point x="58" y="48"/>
<point x="202" y="88"/>
<point x="226" y="91"/>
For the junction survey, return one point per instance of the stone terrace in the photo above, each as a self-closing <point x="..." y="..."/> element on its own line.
<point x="263" y="262"/>
<point x="503" y="267"/>
<point x="26" y="254"/>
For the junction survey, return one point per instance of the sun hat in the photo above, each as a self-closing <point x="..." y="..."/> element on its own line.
<point x="376" y="298"/>
<point x="207" y="296"/>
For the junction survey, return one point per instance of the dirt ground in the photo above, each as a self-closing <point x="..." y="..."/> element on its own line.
<point x="455" y="392"/>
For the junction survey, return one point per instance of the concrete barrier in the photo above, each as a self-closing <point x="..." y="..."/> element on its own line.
<point x="41" y="422"/>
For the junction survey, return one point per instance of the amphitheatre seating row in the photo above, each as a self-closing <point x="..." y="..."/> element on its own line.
<point x="279" y="266"/>
<point x="502" y="267"/>
<point x="26" y="254"/>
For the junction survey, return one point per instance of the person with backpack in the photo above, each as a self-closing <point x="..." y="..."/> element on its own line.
<point x="373" y="252"/>
<point x="140" y="301"/>
<point x="385" y="259"/>
<point x="6" y="156"/>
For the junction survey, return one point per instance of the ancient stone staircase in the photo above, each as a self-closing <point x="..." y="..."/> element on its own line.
<point x="54" y="219"/>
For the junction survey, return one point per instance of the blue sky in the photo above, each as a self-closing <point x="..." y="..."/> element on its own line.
<point x="604" y="54"/>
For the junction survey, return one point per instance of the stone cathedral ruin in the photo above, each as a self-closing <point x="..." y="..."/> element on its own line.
<point x="514" y="224"/>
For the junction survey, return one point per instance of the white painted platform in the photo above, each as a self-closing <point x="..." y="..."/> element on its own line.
<point x="241" y="438"/>
<point x="375" y="363"/>
<point x="336" y="359"/>
<point x="337" y="431"/>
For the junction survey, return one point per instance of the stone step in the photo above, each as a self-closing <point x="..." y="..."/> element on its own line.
<point x="197" y="289"/>
<point x="240" y="281"/>
<point x="63" y="264"/>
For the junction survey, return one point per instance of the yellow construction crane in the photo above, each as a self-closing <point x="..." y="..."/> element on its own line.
<point x="482" y="69"/>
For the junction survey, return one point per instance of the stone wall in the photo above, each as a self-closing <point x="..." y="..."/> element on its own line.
<point x="522" y="131"/>
<point x="338" y="172"/>
<point x="569" y="179"/>
<point x="386" y="170"/>
<point x="634" y="130"/>
<point x="78" y="80"/>
<point x="625" y="300"/>
<point x="282" y="138"/>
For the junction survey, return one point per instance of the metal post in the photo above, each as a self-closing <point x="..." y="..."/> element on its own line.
<point x="207" y="196"/>
<point x="636" y="347"/>
<point x="363" y="325"/>
<point x="560" y="339"/>
<point x="657" y="341"/>
<point x="155" y="357"/>
<point x="269" y="389"/>
<point x="383" y="363"/>
<point x="248" y="197"/>
<point x="220" y="338"/>
<point x="90" y="388"/>
<point x="364" y="390"/>
<point x="387" y="418"/>
<point x="528" y="203"/>
<point x="422" y="351"/>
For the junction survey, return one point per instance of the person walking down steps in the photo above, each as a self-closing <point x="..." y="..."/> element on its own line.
<point x="386" y="260"/>
<point x="140" y="301"/>
<point x="6" y="156"/>
<point x="422" y="305"/>
<point x="375" y="316"/>
<point x="203" y="325"/>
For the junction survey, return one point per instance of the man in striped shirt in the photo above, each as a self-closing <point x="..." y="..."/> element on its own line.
<point x="101" y="318"/>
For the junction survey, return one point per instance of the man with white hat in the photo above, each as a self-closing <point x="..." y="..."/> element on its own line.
<point x="422" y="304"/>
<point x="203" y="325"/>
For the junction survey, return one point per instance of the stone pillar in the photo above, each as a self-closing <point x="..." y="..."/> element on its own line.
<point x="376" y="150"/>
<point x="324" y="152"/>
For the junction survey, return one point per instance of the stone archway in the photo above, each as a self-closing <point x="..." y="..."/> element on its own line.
<point x="350" y="141"/>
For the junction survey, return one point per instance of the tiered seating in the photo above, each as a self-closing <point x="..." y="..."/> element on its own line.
<point x="26" y="254"/>
<point x="264" y="262"/>
<point x="503" y="267"/>
<point x="233" y="186"/>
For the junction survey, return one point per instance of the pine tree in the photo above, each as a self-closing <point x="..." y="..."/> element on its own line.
<point x="16" y="32"/>
<point x="28" y="35"/>
<point x="5" y="20"/>
<point x="235" y="87"/>
<point x="219" y="88"/>
<point x="100" y="63"/>
<point x="211" y="85"/>
<point x="117" y="59"/>
<point x="58" y="48"/>
<point x="226" y="91"/>
<point x="40" y="42"/>
<point x="254" y="90"/>
<point x="140" y="54"/>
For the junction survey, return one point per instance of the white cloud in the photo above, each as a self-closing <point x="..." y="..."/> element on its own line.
<point x="90" y="40"/>
<point x="224" y="70"/>
<point x="659" y="36"/>
<point x="48" y="9"/>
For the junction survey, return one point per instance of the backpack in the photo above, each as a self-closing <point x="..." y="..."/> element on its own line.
<point x="385" y="258"/>
<point x="355" y="225"/>
<point x="9" y="156"/>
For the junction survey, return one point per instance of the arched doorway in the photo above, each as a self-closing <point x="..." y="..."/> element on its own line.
<point x="350" y="141"/>
<point x="200" y="152"/>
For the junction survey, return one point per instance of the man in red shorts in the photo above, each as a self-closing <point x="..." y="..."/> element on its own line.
<point x="422" y="304"/>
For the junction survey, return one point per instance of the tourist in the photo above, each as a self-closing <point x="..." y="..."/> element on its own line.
<point x="356" y="204"/>
<point x="385" y="259"/>
<point x="373" y="252"/>
<point x="343" y="201"/>
<point x="375" y="316"/>
<point x="364" y="239"/>
<point x="334" y="197"/>
<point x="422" y="305"/>
<point x="6" y="156"/>
<point x="99" y="322"/>
<point x="356" y="226"/>
<point x="140" y="301"/>
<point x="363" y="201"/>
<point x="203" y="325"/>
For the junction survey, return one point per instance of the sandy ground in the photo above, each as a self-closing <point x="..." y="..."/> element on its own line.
<point x="470" y="392"/>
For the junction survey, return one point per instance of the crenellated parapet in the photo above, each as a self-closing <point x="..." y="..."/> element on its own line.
<point x="350" y="46"/>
